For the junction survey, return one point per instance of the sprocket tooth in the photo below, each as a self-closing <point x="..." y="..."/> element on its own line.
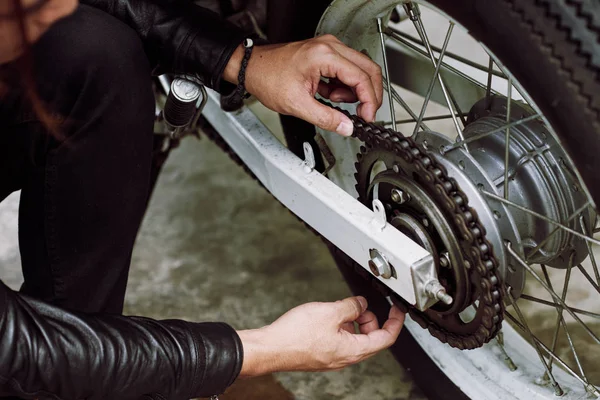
<point x="475" y="249"/>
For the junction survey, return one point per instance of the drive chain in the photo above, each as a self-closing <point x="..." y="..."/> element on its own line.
<point x="451" y="199"/>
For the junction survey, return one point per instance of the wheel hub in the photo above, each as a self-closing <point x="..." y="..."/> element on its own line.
<point x="421" y="200"/>
<point x="539" y="180"/>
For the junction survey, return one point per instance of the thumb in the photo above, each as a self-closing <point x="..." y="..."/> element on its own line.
<point x="348" y="310"/>
<point x="326" y="117"/>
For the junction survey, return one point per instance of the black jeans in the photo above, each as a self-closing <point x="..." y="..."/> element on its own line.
<point x="83" y="197"/>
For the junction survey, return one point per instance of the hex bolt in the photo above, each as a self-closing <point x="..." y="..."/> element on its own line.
<point x="399" y="196"/>
<point x="379" y="265"/>
<point x="444" y="260"/>
<point x="435" y="290"/>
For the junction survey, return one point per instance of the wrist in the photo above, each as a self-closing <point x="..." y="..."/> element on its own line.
<point x="232" y="69"/>
<point x="260" y="357"/>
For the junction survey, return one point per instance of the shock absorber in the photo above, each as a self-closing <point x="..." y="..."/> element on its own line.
<point x="182" y="104"/>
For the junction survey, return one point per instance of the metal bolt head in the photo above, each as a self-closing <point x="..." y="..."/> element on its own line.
<point x="399" y="196"/>
<point x="379" y="266"/>
<point x="444" y="260"/>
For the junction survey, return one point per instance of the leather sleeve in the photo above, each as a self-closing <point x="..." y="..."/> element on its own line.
<point x="47" y="352"/>
<point x="179" y="36"/>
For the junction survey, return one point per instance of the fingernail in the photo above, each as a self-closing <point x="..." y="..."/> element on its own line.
<point x="363" y="303"/>
<point x="345" y="128"/>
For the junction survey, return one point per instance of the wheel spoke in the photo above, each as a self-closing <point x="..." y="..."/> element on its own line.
<point x="449" y="54"/>
<point x="392" y="34"/>
<point x="590" y="388"/>
<point x="507" y="138"/>
<point x="415" y="15"/>
<point x="543" y="242"/>
<point x="552" y="292"/>
<point x="436" y="74"/>
<point x="540" y="216"/>
<point x="387" y="73"/>
<point x="557" y="389"/>
<point x="590" y="250"/>
<point x="414" y="120"/>
<point x="551" y="304"/>
<point x="560" y="321"/>
<point x="507" y="360"/>
<point x="396" y="96"/>
<point x="478" y="136"/>
<point x="589" y="278"/>
<point x="488" y="90"/>
<point x="558" y="308"/>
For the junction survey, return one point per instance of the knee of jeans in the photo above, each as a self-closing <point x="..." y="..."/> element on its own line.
<point x="98" y="65"/>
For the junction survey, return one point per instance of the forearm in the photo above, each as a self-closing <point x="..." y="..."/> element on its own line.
<point x="179" y="36"/>
<point x="46" y="350"/>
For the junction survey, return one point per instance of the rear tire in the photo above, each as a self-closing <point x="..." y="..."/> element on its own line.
<point x="553" y="48"/>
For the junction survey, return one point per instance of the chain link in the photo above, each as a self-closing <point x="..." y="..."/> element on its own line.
<point x="478" y="254"/>
<point x="449" y="197"/>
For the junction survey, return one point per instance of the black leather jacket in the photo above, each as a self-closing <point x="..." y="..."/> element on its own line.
<point x="47" y="352"/>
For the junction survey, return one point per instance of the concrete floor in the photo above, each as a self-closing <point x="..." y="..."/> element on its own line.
<point x="217" y="247"/>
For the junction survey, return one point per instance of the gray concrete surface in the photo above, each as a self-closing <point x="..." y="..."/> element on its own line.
<point x="215" y="246"/>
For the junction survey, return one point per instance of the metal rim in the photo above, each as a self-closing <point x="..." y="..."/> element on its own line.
<point x="493" y="365"/>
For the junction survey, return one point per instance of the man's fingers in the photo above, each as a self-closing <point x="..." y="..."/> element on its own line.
<point x="324" y="117"/>
<point x="395" y="321"/>
<point x="368" y="65"/>
<point x="353" y="76"/>
<point x="337" y="93"/>
<point x="380" y="339"/>
<point x="348" y="310"/>
<point x="348" y="327"/>
<point x="367" y="322"/>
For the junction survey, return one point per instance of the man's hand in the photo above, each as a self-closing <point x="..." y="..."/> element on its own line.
<point x="285" y="78"/>
<point x="318" y="337"/>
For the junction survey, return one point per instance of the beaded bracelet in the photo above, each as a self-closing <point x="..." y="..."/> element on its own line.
<point x="235" y="100"/>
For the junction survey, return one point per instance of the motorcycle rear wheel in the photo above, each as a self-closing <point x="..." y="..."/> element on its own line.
<point x="552" y="49"/>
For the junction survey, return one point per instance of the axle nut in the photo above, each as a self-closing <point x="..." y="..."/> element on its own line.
<point x="379" y="265"/>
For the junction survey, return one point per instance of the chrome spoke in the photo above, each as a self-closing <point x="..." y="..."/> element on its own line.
<point x="404" y="104"/>
<point x="414" y="120"/>
<point x="446" y="66"/>
<point x="571" y="218"/>
<point x="551" y="304"/>
<point x="403" y="35"/>
<point x="478" y="136"/>
<point x="507" y="360"/>
<point x="590" y="250"/>
<point x="415" y="15"/>
<point x="488" y="90"/>
<point x="558" y="309"/>
<point x="589" y="278"/>
<point x="540" y="216"/>
<point x="590" y="388"/>
<point x="459" y="113"/>
<point x="507" y="138"/>
<point x="436" y="74"/>
<point x="557" y="389"/>
<point x="387" y="73"/>
<point x="552" y="293"/>
<point x="560" y="321"/>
